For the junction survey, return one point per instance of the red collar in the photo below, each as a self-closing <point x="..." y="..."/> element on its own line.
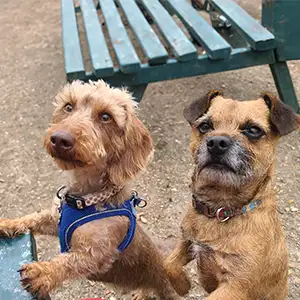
<point x="224" y="213"/>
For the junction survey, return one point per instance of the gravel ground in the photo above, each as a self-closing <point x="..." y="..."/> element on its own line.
<point x="32" y="72"/>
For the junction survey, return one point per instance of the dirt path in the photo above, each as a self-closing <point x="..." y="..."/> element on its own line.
<point x="32" y="72"/>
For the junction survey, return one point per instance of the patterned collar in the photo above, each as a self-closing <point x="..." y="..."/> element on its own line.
<point x="81" y="202"/>
<point x="223" y="214"/>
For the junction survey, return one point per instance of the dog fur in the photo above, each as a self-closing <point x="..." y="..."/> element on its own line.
<point x="113" y="145"/>
<point x="244" y="258"/>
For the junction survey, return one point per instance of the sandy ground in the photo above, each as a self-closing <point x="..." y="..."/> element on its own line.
<point x="32" y="72"/>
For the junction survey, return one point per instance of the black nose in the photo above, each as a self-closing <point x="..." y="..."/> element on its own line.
<point x="217" y="145"/>
<point x="62" y="141"/>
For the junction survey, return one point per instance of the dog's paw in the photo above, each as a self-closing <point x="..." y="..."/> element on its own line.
<point x="36" y="279"/>
<point x="140" y="295"/>
<point x="9" y="228"/>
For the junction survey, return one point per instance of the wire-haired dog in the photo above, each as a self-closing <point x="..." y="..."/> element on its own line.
<point x="96" y="136"/>
<point x="232" y="227"/>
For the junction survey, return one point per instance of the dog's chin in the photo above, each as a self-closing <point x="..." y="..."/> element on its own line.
<point x="66" y="162"/>
<point x="220" y="174"/>
<point x="66" y="165"/>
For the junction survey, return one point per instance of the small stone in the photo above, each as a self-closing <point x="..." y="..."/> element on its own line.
<point x="287" y="209"/>
<point x="143" y="220"/>
<point x="112" y="298"/>
<point x="92" y="283"/>
<point x="297" y="280"/>
<point x="294" y="209"/>
<point x="292" y="265"/>
<point x="290" y="202"/>
<point x="2" y="180"/>
<point x="193" y="272"/>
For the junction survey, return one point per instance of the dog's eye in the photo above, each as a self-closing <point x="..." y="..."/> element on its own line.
<point x="253" y="132"/>
<point x="204" y="127"/>
<point x="68" y="107"/>
<point x="105" y="117"/>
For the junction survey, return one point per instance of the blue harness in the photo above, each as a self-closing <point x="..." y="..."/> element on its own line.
<point x="71" y="218"/>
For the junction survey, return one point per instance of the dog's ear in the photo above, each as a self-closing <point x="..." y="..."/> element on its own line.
<point x="200" y="106"/>
<point x="135" y="155"/>
<point x="282" y="117"/>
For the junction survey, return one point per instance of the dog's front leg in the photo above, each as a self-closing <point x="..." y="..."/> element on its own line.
<point x="174" y="264"/>
<point x="228" y="291"/>
<point x="44" y="222"/>
<point x="40" y="278"/>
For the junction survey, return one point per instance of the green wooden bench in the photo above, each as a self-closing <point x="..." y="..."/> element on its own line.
<point x="158" y="49"/>
<point x="13" y="254"/>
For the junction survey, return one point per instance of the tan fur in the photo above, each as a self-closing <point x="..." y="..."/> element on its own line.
<point x="244" y="258"/>
<point x="113" y="151"/>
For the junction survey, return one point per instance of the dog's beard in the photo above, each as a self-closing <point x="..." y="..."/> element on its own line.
<point x="230" y="170"/>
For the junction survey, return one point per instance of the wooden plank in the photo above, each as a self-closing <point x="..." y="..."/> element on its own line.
<point x="74" y="66"/>
<point x="125" y="52"/>
<point x="173" y="69"/>
<point x="203" y="33"/>
<point x="101" y="61"/>
<point x="258" y="37"/>
<point x="150" y="43"/>
<point x="181" y="46"/>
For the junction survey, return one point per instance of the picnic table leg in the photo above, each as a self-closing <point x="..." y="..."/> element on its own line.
<point x="284" y="84"/>
<point x="138" y="91"/>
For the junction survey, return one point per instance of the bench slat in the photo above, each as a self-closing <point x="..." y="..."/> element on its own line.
<point x="150" y="43"/>
<point x="204" y="34"/>
<point x="258" y="37"/>
<point x="181" y="46"/>
<point x="99" y="53"/>
<point x="74" y="66"/>
<point x="14" y="253"/>
<point x="125" y="52"/>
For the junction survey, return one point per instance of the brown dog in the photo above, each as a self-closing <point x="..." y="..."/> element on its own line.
<point x="232" y="228"/>
<point x="96" y="136"/>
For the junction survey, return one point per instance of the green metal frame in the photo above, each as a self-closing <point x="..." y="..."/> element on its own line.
<point x="281" y="18"/>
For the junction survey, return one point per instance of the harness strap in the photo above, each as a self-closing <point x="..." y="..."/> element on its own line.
<point x="101" y="215"/>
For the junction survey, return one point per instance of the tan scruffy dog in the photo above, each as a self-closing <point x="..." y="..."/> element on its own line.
<point x="96" y="136"/>
<point x="232" y="227"/>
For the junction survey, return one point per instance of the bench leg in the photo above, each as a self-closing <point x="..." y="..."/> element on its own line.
<point x="138" y="91"/>
<point x="284" y="84"/>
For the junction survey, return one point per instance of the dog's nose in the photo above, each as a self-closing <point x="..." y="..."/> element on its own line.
<point x="62" y="141"/>
<point x="218" y="144"/>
